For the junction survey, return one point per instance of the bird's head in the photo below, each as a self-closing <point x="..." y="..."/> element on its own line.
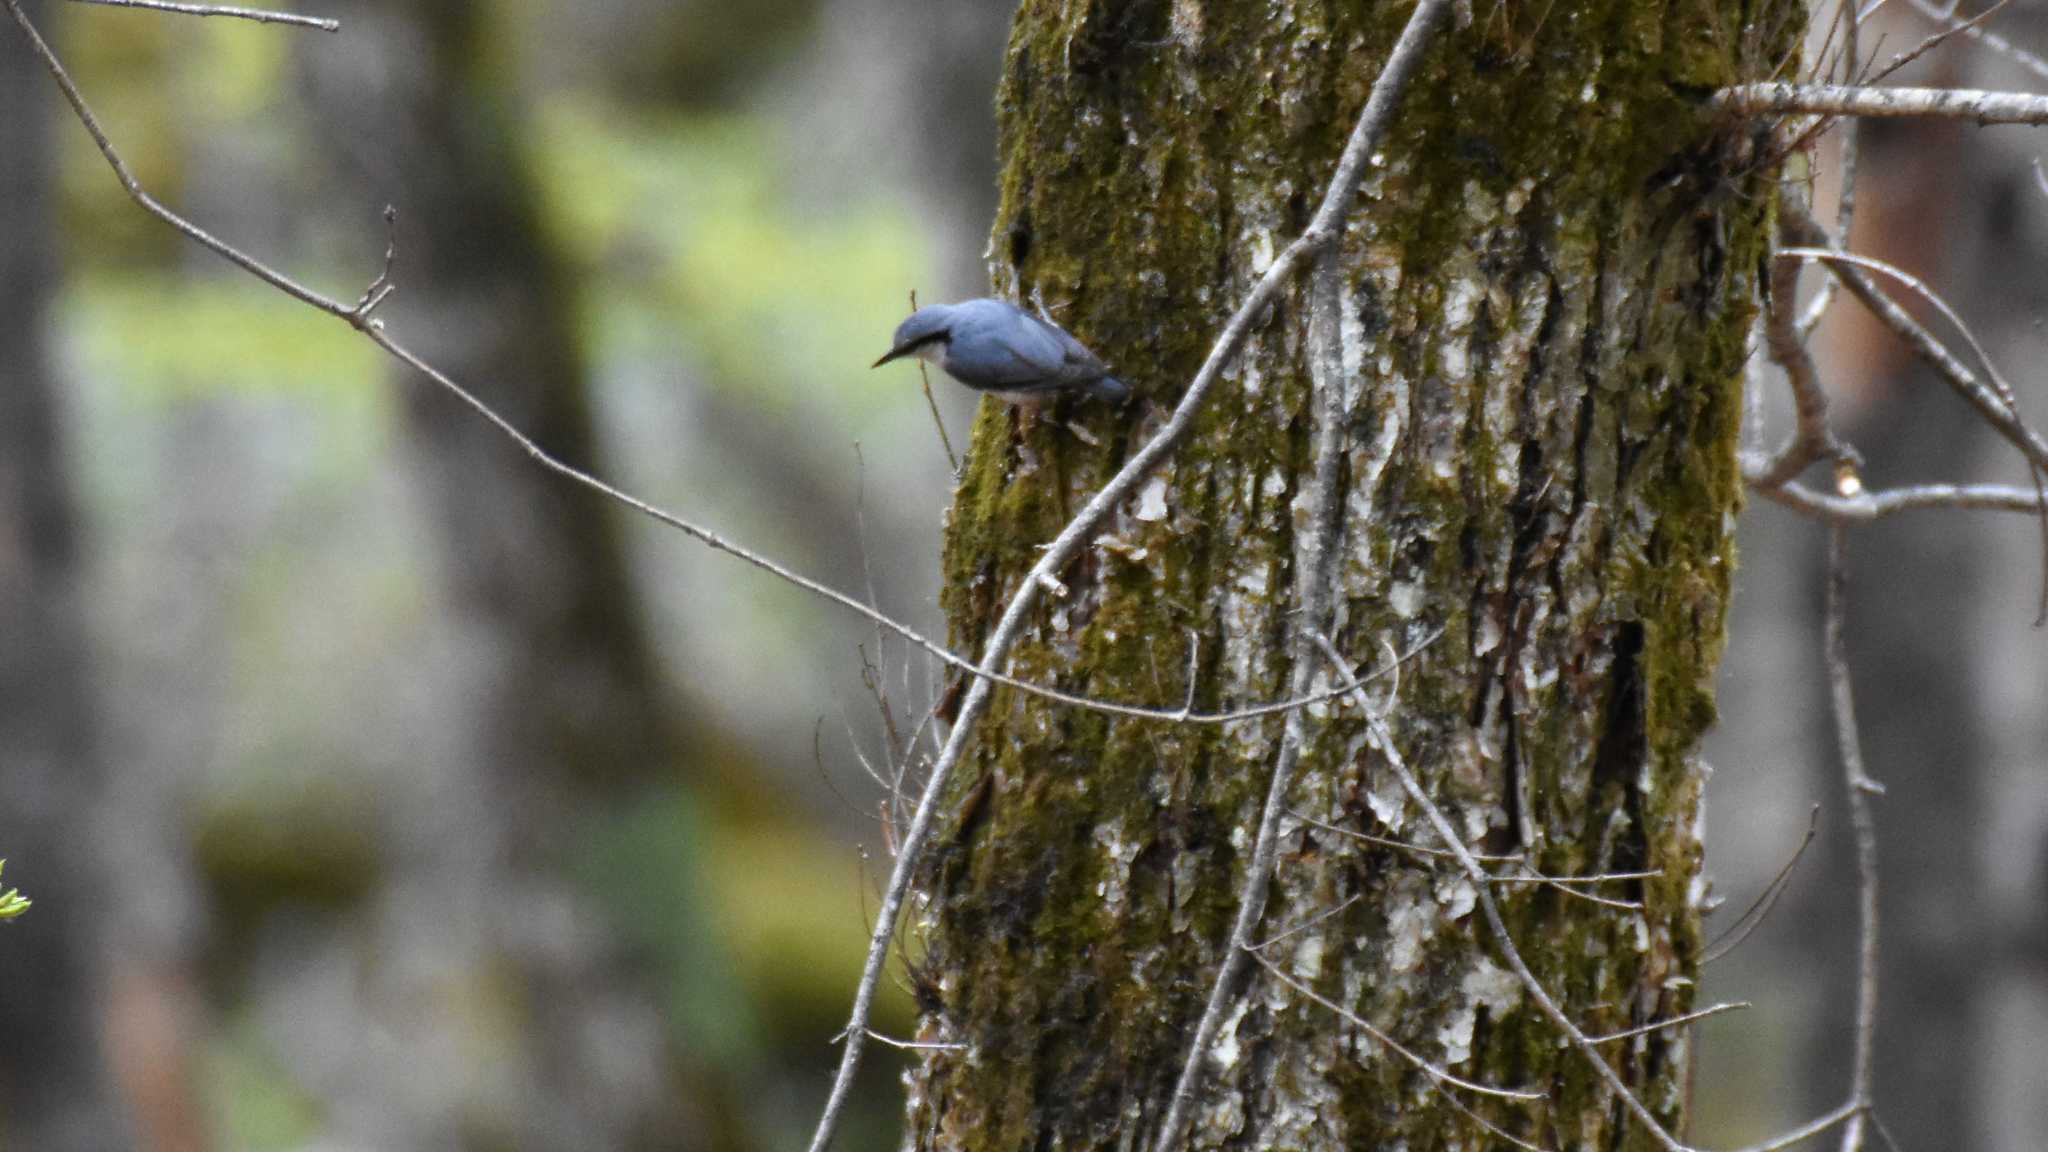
<point x="922" y="336"/>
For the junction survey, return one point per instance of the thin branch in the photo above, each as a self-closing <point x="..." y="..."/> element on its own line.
<point x="1673" y="1022"/>
<point x="1994" y="401"/>
<point x="914" y="1045"/>
<point x="259" y="15"/>
<point x="1812" y="437"/>
<point x="1403" y="845"/>
<point x="358" y="316"/>
<point x="932" y="402"/>
<point x="938" y="421"/>
<point x="1307" y="924"/>
<point x="1444" y="1079"/>
<point x="1849" y="100"/>
<point x="1836" y="258"/>
<point x="1315" y="551"/>
<point x="1562" y="884"/>
<point x="1759" y="908"/>
<point x="1503" y="939"/>
<point x="1322" y="232"/>
<point x="1860" y="789"/>
<point x="1845" y="165"/>
<point x="1932" y="42"/>
<point x="1987" y="38"/>
<point x="1443" y="1076"/>
<point x="136" y="192"/>
<point x="1877" y="505"/>
<point x="1804" y="1132"/>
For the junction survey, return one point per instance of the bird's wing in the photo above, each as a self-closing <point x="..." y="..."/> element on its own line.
<point x="1007" y="365"/>
<point x="1076" y="362"/>
<point x="1006" y="350"/>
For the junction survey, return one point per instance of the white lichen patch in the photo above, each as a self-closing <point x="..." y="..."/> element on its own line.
<point x="1116" y="871"/>
<point x="1454" y="1035"/>
<point x="1152" y="500"/>
<point x="1227" y="1051"/>
<point x="1411" y="920"/>
<point x="1488" y="635"/>
<point x="1493" y="986"/>
<point x="1387" y="801"/>
<point x="1308" y="955"/>
<point x="1462" y="295"/>
<point x="1458" y="897"/>
<point x="1405" y="597"/>
<point x="1260" y="244"/>
<point x="1251" y="381"/>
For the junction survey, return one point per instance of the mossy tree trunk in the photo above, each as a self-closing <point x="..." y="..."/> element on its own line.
<point x="1546" y="288"/>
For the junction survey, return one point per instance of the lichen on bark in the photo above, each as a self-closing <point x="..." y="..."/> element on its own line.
<point x="1546" y="284"/>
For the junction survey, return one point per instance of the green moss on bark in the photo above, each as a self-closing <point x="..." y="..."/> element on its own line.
<point x="1547" y="284"/>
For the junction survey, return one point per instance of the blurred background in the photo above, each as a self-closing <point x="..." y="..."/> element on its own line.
<point x="378" y="790"/>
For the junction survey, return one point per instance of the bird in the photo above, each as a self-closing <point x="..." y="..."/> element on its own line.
<point x="996" y="347"/>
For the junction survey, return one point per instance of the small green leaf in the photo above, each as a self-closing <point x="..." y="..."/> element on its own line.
<point x="12" y="903"/>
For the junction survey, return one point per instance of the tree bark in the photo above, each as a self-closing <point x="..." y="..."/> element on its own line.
<point x="1545" y="293"/>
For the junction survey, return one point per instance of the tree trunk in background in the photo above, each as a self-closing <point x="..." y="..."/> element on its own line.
<point x="54" y="1094"/>
<point x="561" y="701"/>
<point x="1546" y="290"/>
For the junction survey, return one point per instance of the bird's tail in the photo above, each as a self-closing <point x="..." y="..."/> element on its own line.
<point x="1111" y="389"/>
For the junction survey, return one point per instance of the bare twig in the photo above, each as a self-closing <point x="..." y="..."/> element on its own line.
<point x="1673" y="1022"/>
<point x="1305" y="925"/>
<point x="1932" y="42"/>
<point x="1443" y="1076"/>
<point x="1845" y="164"/>
<point x="924" y="375"/>
<point x="1848" y="100"/>
<point x="358" y="316"/>
<point x="1316" y="549"/>
<point x="1563" y="884"/>
<point x="1503" y="939"/>
<point x="1984" y="36"/>
<point x="1759" y="908"/>
<point x="938" y="421"/>
<point x="259" y="15"/>
<point x="1812" y="437"/>
<point x="1321" y="233"/>
<point x="1804" y="1132"/>
<point x="1836" y="259"/>
<point x="1877" y="505"/>
<point x="1403" y="845"/>
<point x="914" y="1045"/>
<point x="1995" y="400"/>
<point x="1860" y="789"/>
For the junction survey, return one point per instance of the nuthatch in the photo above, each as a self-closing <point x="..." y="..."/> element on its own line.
<point x="994" y="346"/>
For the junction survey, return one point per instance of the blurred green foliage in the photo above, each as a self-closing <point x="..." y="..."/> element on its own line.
<point x="251" y="1095"/>
<point x="684" y="228"/>
<point x="170" y="338"/>
<point x="692" y="231"/>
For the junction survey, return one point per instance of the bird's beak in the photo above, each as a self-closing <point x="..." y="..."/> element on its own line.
<point x="910" y="347"/>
